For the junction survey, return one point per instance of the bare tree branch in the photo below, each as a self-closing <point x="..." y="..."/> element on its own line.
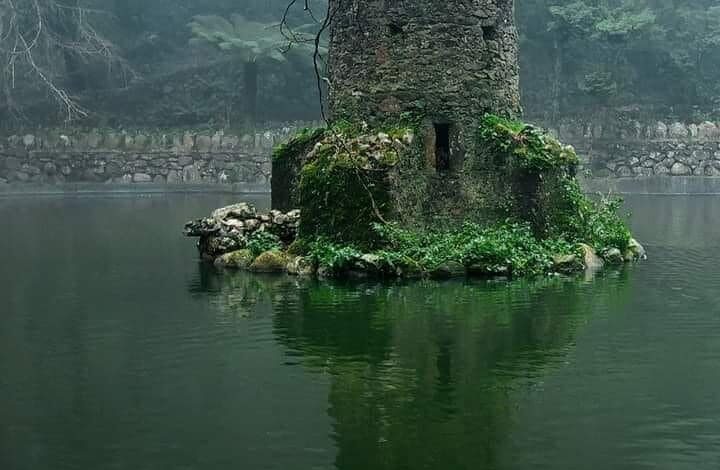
<point x="37" y="37"/>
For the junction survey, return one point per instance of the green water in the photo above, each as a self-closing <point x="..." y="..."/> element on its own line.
<point x="119" y="350"/>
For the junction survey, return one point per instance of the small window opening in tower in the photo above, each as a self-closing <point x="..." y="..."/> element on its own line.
<point x="442" y="146"/>
<point x="489" y="33"/>
<point x="394" y="29"/>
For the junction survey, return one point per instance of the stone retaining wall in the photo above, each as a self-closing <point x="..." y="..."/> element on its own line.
<point x="628" y="149"/>
<point x="128" y="158"/>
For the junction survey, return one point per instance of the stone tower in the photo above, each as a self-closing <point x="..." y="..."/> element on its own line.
<point x="445" y="61"/>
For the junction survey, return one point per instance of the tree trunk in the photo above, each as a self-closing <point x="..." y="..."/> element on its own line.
<point x="250" y="72"/>
<point x="557" y="81"/>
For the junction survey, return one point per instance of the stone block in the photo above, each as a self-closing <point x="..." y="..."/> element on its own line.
<point x="678" y="130"/>
<point x="191" y="174"/>
<point x="173" y="177"/>
<point x="661" y="130"/>
<point x="203" y="143"/>
<point x="708" y="131"/>
<point x="28" y="141"/>
<point x="141" y="178"/>
<point x="680" y="169"/>
<point x="185" y="160"/>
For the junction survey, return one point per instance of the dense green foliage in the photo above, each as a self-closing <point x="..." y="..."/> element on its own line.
<point x="577" y="218"/>
<point x="349" y="221"/>
<point x="634" y="57"/>
<point x="260" y="242"/>
<point x="300" y="143"/>
<point x="338" y="197"/>
<point x="514" y="142"/>
<point x="657" y="58"/>
<point x="507" y="249"/>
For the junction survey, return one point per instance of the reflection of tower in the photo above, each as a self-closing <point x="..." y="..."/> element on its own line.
<point x="447" y="62"/>
<point x="415" y="385"/>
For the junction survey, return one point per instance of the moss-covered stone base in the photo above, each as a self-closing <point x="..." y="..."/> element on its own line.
<point x="370" y="203"/>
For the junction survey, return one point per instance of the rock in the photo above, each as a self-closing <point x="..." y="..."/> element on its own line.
<point x="678" y="131"/>
<point x="203" y="143"/>
<point x="185" y="161"/>
<point x="28" y="140"/>
<point x="636" y="250"/>
<point x="173" y="177"/>
<point x="448" y="270"/>
<point x="708" y="131"/>
<point x="567" y="263"/>
<point x="370" y="263"/>
<point x="624" y="172"/>
<point x="241" y="211"/>
<point x="142" y="178"/>
<point x="661" y="130"/>
<point x="252" y="224"/>
<point x="590" y="259"/>
<point x="240" y="259"/>
<point x="410" y="269"/>
<point x="324" y="272"/>
<point x="191" y="174"/>
<point x="661" y="169"/>
<point x="301" y="266"/>
<point x="159" y="179"/>
<point x="49" y="168"/>
<point x="613" y="256"/>
<point x="680" y="169"/>
<point x="269" y="262"/>
<point x="188" y="141"/>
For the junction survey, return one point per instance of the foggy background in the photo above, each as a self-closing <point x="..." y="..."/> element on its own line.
<point x="184" y="63"/>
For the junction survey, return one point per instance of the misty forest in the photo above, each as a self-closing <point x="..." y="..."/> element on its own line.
<point x="223" y="62"/>
<point x="359" y="234"/>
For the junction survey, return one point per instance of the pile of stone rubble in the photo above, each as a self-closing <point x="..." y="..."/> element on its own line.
<point x="230" y="228"/>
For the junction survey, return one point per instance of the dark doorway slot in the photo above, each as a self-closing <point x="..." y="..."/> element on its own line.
<point x="489" y="33"/>
<point x="442" y="147"/>
<point x="394" y="29"/>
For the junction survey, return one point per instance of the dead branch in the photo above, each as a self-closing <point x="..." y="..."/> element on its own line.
<point x="35" y="35"/>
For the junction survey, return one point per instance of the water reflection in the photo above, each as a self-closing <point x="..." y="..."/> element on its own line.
<point x="422" y="374"/>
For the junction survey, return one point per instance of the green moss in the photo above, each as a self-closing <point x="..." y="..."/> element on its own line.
<point x="344" y="185"/>
<point x="574" y="216"/>
<point x="524" y="146"/>
<point x="340" y="201"/>
<point x="240" y="259"/>
<point x="270" y="262"/>
<point x="286" y="163"/>
<point x="299" y="144"/>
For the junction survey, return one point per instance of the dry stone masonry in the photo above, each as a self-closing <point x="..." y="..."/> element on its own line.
<point x="632" y="149"/>
<point x="448" y="62"/>
<point x="128" y="158"/>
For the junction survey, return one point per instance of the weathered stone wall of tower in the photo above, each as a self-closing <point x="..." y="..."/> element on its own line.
<point x="448" y="61"/>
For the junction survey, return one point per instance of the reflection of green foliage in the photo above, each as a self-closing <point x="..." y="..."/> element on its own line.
<point x="432" y="366"/>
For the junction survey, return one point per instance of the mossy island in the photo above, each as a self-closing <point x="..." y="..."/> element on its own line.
<point x="424" y="168"/>
<point x="365" y="205"/>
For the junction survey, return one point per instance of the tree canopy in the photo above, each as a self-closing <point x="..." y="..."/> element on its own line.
<point x="99" y="61"/>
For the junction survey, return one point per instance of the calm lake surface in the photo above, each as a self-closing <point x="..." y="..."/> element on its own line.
<point x="119" y="350"/>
